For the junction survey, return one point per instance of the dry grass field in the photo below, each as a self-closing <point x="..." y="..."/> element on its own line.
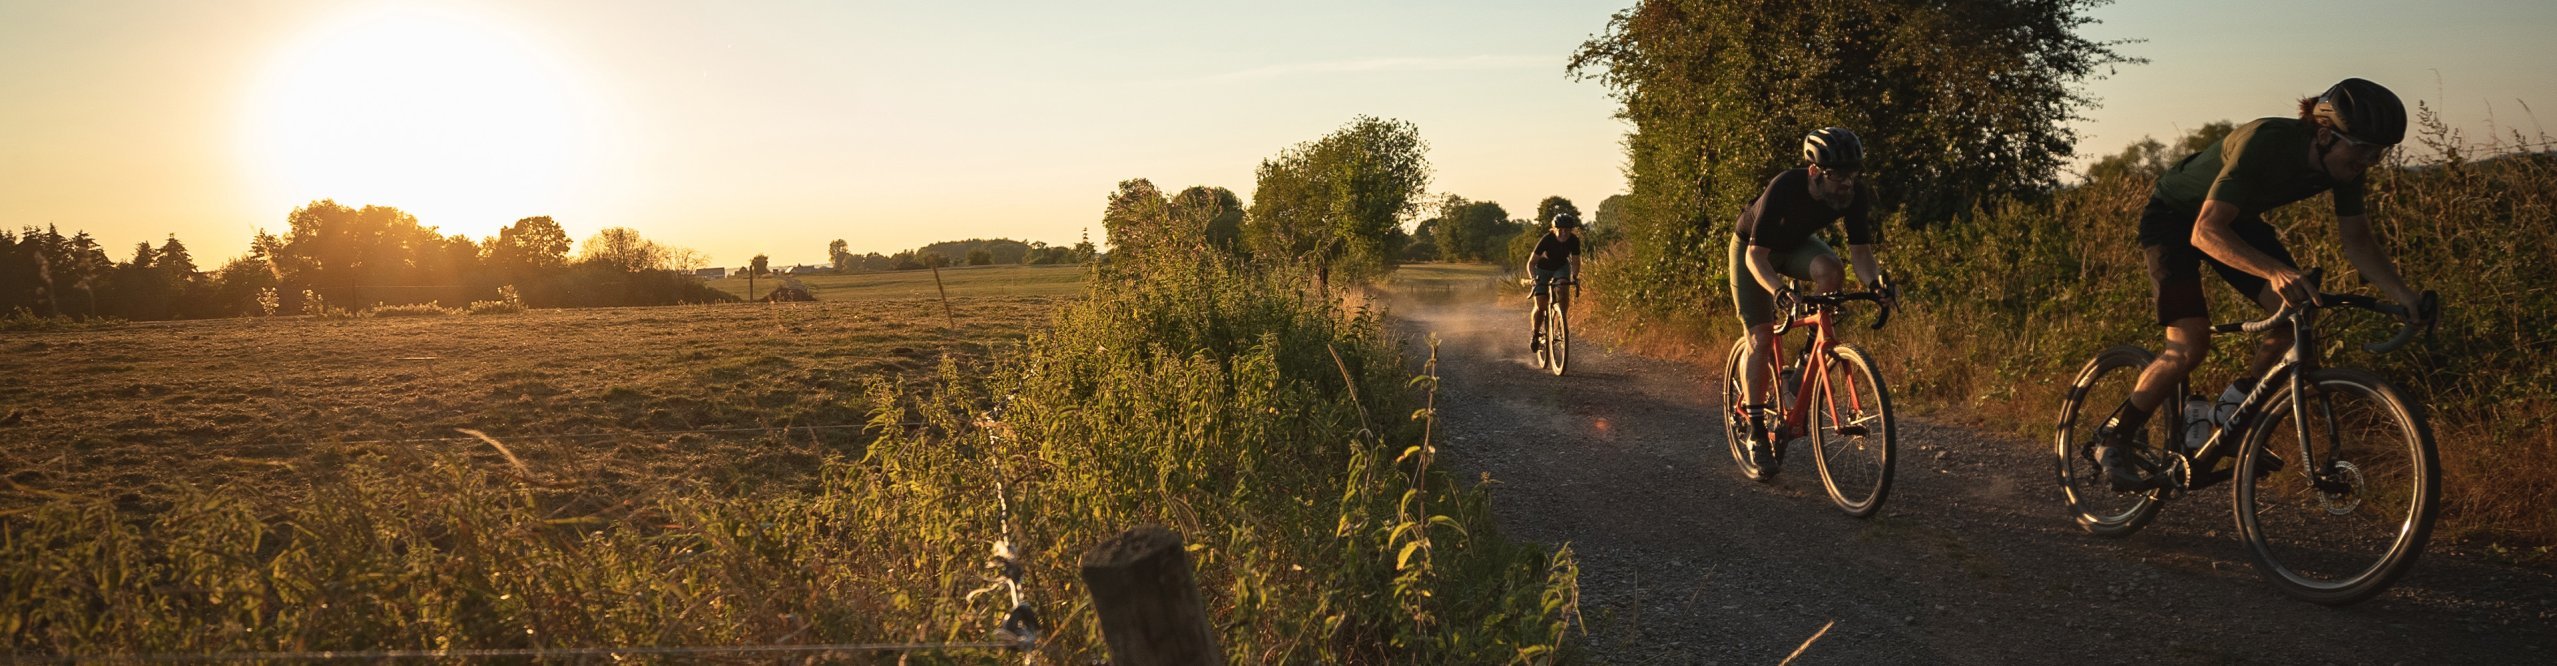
<point x="142" y="411"/>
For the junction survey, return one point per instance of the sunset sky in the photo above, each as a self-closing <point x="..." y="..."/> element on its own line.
<point x="738" y="128"/>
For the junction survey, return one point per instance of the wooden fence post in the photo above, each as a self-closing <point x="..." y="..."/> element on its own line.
<point x="1148" y="601"/>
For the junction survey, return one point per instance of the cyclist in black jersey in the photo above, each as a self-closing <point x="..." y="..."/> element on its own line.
<point x="1555" y="259"/>
<point x="1775" y="238"/>
<point x="2209" y="209"/>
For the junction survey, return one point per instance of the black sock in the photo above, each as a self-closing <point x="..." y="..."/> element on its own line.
<point x="2127" y="418"/>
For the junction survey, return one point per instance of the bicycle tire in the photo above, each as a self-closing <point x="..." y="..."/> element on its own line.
<point x="1558" y="337"/>
<point x="2291" y="563"/>
<point x="2108" y="378"/>
<point x="1869" y="431"/>
<point x="1734" y="425"/>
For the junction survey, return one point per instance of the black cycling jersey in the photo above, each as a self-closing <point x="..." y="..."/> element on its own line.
<point x="1553" y="253"/>
<point x="1787" y="213"/>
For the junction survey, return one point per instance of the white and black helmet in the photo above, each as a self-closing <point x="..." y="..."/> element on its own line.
<point x="1566" y="220"/>
<point x="1833" y="148"/>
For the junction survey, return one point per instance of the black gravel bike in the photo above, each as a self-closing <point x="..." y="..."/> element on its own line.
<point x="1553" y="344"/>
<point x="1845" y="409"/>
<point x="2337" y="479"/>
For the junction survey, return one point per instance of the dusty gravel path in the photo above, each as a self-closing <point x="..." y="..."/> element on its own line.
<point x="1971" y="560"/>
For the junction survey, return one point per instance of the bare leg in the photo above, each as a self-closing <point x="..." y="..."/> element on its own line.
<point x="1753" y="366"/>
<point x="2188" y="341"/>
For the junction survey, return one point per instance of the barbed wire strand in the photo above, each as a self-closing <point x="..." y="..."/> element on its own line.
<point x="491" y="653"/>
<point x="631" y="433"/>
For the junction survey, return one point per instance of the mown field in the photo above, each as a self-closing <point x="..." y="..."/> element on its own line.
<point x="146" y="410"/>
<point x="962" y="281"/>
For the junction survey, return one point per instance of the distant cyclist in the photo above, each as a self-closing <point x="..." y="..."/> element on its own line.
<point x="1555" y="259"/>
<point x="1775" y="239"/>
<point x="2209" y="210"/>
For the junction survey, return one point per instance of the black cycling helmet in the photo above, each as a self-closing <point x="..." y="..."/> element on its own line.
<point x="2365" y="111"/>
<point x="1833" y="148"/>
<point x="1566" y="220"/>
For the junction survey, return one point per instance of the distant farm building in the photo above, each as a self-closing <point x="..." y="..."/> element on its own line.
<point x="710" y="273"/>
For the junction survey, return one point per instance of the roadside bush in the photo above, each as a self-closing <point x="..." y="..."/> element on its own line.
<point x="426" y="309"/>
<point x="507" y="303"/>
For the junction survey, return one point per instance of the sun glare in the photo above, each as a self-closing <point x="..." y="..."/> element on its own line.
<point x="441" y="115"/>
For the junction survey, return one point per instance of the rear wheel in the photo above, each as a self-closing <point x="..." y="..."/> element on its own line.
<point x="2350" y="511"/>
<point x="1852" y="434"/>
<point x="2102" y="385"/>
<point x="1735" y="421"/>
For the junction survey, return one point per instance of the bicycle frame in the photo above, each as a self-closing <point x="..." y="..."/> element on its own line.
<point x="2286" y="373"/>
<point x="1797" y="419"/>
<point x="2302" y="358"/>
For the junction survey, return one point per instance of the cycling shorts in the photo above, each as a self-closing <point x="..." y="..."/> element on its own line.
<point x="1754" y="304"/>
<point x="1544" y="278"/>
<point x="2175" y="266"/>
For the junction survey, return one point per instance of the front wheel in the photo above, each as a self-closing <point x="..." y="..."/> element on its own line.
<point x="2352" y="507"/>
<point x="1853" y="433"/>
<point x="1558" y="336"/>
<point x="1735" y="421"/>
<point x="2103" y="384"/>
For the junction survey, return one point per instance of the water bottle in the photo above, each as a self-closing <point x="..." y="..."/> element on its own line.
<point x="2199" y="422"/>
<point x="2227" y="407"/>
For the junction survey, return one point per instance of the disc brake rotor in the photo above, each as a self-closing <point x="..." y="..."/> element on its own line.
<point x="2344" y="501"/>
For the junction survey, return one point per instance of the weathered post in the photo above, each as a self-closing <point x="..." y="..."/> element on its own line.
<point x="1148" y="601"/>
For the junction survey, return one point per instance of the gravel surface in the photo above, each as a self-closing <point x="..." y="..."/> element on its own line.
<point x="1972" y="559"/>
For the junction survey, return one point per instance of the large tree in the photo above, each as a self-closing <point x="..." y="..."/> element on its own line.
<point x="1213" y="214"/>
<point x="1961" y="103"/>
<point x="1336" y="201"/>
<point x="531" y="246"/>
<point x="624" y="249"/>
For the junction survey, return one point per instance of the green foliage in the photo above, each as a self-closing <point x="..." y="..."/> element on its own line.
<point x="1335" y="202"/>
<point x="1961" y="104"/>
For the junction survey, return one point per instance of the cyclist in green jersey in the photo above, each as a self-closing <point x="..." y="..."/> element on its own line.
<point x="1775" y="238"/>
<point x="2209" y="209"/>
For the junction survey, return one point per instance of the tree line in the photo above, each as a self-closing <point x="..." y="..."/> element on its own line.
<point x="970" y="252"/>
<point x="1334" y="204"/>
<point x="334" y="256"/>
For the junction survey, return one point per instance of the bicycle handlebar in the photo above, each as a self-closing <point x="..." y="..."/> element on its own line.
<point x="1840" y="298"/>
<point x="2429" y="305"/>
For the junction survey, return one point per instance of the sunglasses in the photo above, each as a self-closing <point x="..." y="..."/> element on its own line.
<point x="2363" y="147"/>
<point x="1839" y="175"/>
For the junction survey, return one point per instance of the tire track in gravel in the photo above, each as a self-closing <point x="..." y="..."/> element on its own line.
<point x="1972" y="559"/>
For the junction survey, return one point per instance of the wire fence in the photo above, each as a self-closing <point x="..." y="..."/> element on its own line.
<point x="1019" y="630"/>
<point x="517" y="653"/>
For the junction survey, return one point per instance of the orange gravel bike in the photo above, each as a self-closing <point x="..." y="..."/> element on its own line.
<point x="1844" y="408"/>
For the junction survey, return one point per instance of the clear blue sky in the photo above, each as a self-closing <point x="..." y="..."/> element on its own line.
<point x="738" y="128"/>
